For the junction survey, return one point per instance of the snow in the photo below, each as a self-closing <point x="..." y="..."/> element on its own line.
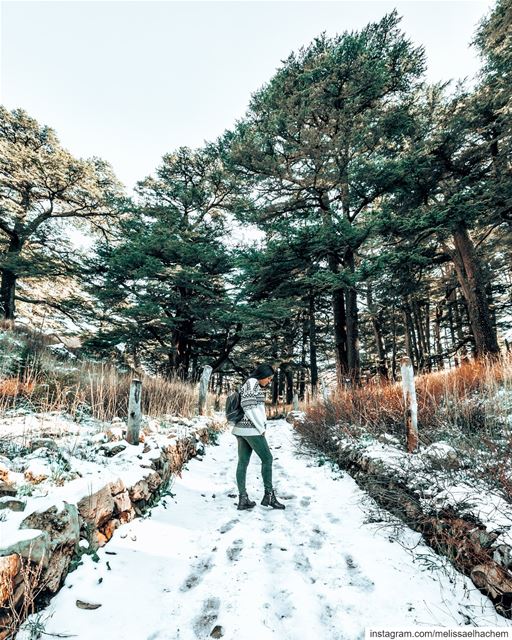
<point x="90" y="469"/>
<point x="438" y="489"/>
<point x="328" y="566"/>
<point x="12" y="537"/>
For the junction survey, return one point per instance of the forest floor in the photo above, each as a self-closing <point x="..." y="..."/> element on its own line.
<point x="328" y="566"/>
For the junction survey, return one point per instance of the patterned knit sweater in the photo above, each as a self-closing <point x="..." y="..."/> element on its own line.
<point x="252" y="399"/>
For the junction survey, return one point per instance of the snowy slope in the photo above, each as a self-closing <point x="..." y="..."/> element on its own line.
<point x="323" y="568"/>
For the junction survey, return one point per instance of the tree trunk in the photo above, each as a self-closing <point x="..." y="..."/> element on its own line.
<point x="417" y="324"/>
<point x="289" y="384"/>
<point x="376" y="319"/>
<point x="437" y="335"/>
<point x="471" y="279"/>
<point x="275" y="379"/>
<point x="301" y="378"/>
<point x="282" y="382"/>
<point x="393" y="346"/>
<point x="9" y="278"/>
<point x="353" y="364"/>
<point x="428" y="347"/>
<point x="451" y="323"/>
<point x="459" y="326"/>
<point x="340" y="325"/>
<point x="312" y="346"/>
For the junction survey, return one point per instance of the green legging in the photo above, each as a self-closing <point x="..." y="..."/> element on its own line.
<point x="246" y="445"/>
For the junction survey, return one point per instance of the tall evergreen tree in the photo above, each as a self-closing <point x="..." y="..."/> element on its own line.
<point x="44" y="191"/>
<point x="162" y="284"/>
<point x="318" y="138"/>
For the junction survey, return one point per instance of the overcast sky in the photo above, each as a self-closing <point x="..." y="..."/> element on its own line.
<point x="130" y="81"/>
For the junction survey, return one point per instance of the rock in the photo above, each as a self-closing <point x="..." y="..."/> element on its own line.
<point x="440" y="451"/>
<point x="493" y="579"/>
<point x="110" y="527"/>
<point x="57" y="570"/>
<point x="4" y="473"/>
<point x="117" y="486"/>
<point x="127" y="516"/>
<point x="43" y="443"/>
<point x="98" y="507"/>
<point x="503" y="556"/>
<point x="63" y="526"/>
<point x="295" y="416"/>
<point x="37" y="471"/>
<point x="143" y="489"/>
<point x="114" y="434"/>
<point x="7" y="489"/>
<point x="111" y="449"/>
<point x="122" y="502"/>
<point x="81" y="604"/>
<point x="34" y="547"/>
<point x="217" y="631"/>
<point x="9" y="567"/>
<point x="14" y="504"/>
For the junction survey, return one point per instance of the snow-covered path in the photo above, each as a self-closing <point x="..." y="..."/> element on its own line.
<point x="321" y="569"/>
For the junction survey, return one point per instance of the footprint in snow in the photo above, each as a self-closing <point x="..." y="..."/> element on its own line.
<point x="283" y="604"/>
<point x="305" y="501"/>
<point x="333" y="519"/>
<point x="268" y="527"/>
<point x="318" y="538"/>
<point x="328" y="617"/>
<point x="227" y="526"/>
<point x="357" y="579"/>
<point x="203" y="566"/>
<point x="235" y="549"/>
<point x="301" y="561"/>
<point x="209" y="614"/>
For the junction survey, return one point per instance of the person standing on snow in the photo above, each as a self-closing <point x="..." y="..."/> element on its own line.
<point x="250" y="434"/>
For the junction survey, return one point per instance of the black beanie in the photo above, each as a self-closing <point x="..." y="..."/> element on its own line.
<point x="262" y="371"/>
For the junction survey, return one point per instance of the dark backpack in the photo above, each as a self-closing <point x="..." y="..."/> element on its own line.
<point x="234" y="411"/>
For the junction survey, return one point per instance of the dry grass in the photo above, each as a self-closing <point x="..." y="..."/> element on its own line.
<point x="16" y="609"/>
<point x="452" y="397"/>
<point x="30" y="374"/>
<point x="99" y="390"/>
<point x="470" y="407"/>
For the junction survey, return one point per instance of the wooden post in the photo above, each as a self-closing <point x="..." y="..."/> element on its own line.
<point x="203" y="388"/>
<point x="411" y="406"/>
<point x="134" y="413"/>
<point x="295" y="401"/>
<point x="325" y="390"/>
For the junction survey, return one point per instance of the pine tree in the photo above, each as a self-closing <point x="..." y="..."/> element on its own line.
<point x="44" y="191"/>
<point x="318" y="139"/>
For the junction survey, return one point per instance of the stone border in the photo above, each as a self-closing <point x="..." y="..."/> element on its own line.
<point x="466" y="542"/>
<point x="40" y="561"/>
